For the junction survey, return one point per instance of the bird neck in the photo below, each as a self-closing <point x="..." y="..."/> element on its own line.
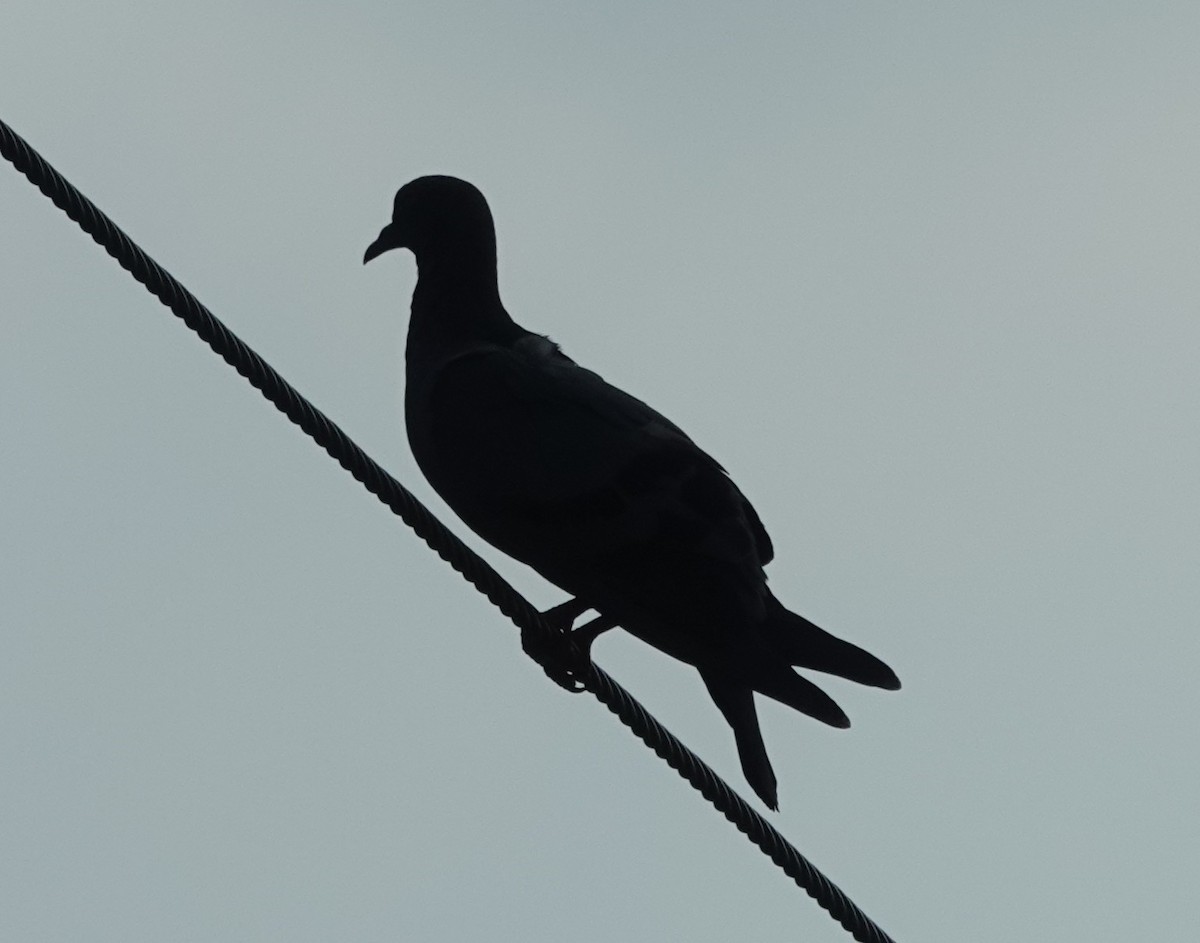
<point x="454" y="304"/>
<point x="466" y="272"/>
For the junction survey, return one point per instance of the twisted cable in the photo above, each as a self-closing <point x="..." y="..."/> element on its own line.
<point x="553" y="648"/>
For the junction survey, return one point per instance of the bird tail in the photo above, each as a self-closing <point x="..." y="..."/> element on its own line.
<point x="784" y="685"/>
<point x="808" y="646"/>
<point x="736" y="702"/>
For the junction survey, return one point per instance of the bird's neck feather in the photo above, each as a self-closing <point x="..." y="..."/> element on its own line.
<point x="458" y="305"/>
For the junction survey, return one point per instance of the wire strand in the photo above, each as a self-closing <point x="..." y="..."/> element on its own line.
<point x="555" y="644"/>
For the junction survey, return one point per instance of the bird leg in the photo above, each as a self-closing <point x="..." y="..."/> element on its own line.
<point x="587" y="633"/>
<point x="563" y="615"/>
<point x="558" y="655"/>
<point x="568" y="653"/>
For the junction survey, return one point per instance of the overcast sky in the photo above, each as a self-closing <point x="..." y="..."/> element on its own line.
<point x="922" y="276"/>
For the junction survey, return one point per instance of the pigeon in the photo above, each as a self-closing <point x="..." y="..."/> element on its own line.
<point x="596" y="491"/>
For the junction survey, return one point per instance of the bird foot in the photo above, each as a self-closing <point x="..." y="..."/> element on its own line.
<point x="566" y="655"/>
<point x="587" y="633"/>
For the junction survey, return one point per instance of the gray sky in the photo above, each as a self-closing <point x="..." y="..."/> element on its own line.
<point x="923" y="277"/>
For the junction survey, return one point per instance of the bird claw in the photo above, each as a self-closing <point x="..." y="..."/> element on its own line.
<point x="555" y="657"/>
<point x="565" y="655"/>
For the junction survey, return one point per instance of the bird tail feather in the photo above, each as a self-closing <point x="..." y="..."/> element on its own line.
<point x="736" y="702"/>
<point x="784" y="685"/>
<point x="808" y="646"/>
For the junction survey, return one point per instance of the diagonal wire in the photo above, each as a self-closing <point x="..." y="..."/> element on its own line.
<point x="553" y="649"/>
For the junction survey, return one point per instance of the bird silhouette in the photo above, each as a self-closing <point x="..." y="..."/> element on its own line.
<point x="603" y="496"/>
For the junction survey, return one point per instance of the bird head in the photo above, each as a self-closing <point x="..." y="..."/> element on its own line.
<point x="437" y="218"/>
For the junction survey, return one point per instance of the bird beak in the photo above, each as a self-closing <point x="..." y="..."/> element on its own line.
<point x="389" y="238"/>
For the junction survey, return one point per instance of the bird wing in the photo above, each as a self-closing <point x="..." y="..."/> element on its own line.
<point x="558" y="468"/>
